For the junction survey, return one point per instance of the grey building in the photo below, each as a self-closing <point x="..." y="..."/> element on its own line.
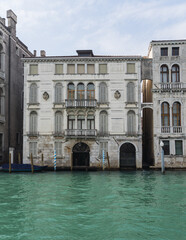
<point x="11" y="88"/>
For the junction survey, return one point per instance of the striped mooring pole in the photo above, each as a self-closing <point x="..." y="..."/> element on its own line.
<point x="103" y="159"/>
<point x="54" y="160"/>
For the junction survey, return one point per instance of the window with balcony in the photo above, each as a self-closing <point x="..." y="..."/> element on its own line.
<point x="58" y="69"/>
<point x="1" y="102"/>
<point x="131" y="122"/>
<point x="90" y="121"/>
<point x="164" y="74"/>
<point x="165" y="114"/>
<point x="176" y="114"/>
<point x="71" y="121"/>
<point x="33" y="69"/>
<point x="81" y="121"/>
<point x="103" y="123"/>
<point x="58" y="93"/>
<point x="178" y="147"/>
<point x="80" y="91"/>
<point x="102" y="68"/>
<point x="166" y="147"/>
<point x="90" y="68"/>
<point x="70" y="68"/>
<point x="130" y="67"/>
<point x="58" y="122"/>
<point x="164" y="51"/>
<point x="33" y="149"/>
<point x="175" y="73"/>
<point x="33" y="93"/>
<point x="175" y="51"/>
<point x="90" y="91"/>
<point x="81" y="68"/>
<point x="130" y="92"/>
<point x="103" y="93"/>
<point x="33" y="123"/>
<point x="71" y="91"/>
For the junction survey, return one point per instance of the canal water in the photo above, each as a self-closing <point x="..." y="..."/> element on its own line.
<point x="93" y="205"/>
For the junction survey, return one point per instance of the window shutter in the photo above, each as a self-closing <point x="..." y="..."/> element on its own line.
<point x="58" y="122"/>
<point x="58" y="93"/>
<point x="131" y="122"/>
<point x="33" y="148"/>
<point x="103" y="122"/>
<point x="33" y="69"/>
<point x="58" y="148"/>
<point x="33" y="93"/>
<point x="130" y="67"/>
<point x="102" y="68"/>
<point x="90" y="68"/>
<point x="33" y="122"/>
<point x="130" y="92"/>
<point x="80" y="68"/>
<point x="71" y="68"/>
<point x="103" y="93"/>
<point x="59" y="69"/>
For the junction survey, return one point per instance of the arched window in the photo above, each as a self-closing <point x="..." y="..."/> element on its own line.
<point x="58" y="93"/>
<point x="103" y="123"/>
<point x="33" y="93"/>
<point x="90" y="91"/>
<point x="80" y="91"/>
<point x="175" y="73"/>
<point x="71" y="121"/>
<point x="176" y="114"/>
<point x="164" y="74"/>
<point x="131" y="122"/>
<point x="71" y="91"/>
<point x="58" y="122"/>
<point x="103" y="93"/>
<point x="130" y="92"/>
<point x="1" y="102"/>
<point x="33" y="123"/>
<point x="165" y="115"/>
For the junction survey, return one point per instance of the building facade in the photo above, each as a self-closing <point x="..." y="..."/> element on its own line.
<point x="169" y="101"/>
<point x="11" y="88"/>
<point x="83" y="107"/>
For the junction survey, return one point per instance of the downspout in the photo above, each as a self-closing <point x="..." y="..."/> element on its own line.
<point x="9" y="77"/>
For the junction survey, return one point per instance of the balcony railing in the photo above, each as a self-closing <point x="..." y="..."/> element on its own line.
<point x="33" y="134"/>
<point x="80" y="132"/>
<point x="58" y="134"/>
<point x="172" y="86"/>
<point x="175" y="129"/>
<point x="80" y="103"/>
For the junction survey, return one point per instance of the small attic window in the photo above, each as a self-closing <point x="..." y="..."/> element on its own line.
<point x="85" y="53"/>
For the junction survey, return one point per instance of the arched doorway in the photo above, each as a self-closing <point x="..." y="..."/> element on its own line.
<point x="127" y="156"/>
<point x="81" y="155"/>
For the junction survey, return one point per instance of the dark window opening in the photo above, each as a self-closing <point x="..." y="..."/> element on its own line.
<point x="175" y="51"/>
<point x="164" y="51"/>
<point x="166" y="147"/>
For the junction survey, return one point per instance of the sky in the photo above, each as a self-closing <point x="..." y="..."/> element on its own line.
<point x="108" y="27"/>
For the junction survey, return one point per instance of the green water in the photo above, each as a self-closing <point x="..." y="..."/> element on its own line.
<point x="93" y="205"/>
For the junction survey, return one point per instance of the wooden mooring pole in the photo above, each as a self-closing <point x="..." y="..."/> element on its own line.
<point x="32" y="165"/>
<point x="108" y="161"/>
<point x="19" y="158"/>
<point x="71" y="162"/>
<point x="42" y="159"/>
<point x="10" y="167"/>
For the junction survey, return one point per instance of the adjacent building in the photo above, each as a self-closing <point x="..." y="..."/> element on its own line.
<point x="11" y="88"/>
<point x="85" y="108"/>
<point x="169" y="101"/>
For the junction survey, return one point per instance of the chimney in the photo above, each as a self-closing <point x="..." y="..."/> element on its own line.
<point x="12" y="21"/>
<point x="35" y="53"/>
<point x="42" y="53"/>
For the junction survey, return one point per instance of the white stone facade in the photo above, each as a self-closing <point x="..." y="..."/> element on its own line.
<point x="99" y="122"/>
<point x="169" y="101"/>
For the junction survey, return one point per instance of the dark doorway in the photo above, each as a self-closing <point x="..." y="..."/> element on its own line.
<point x="81" y="155"/>
<point x="127" y="156"/>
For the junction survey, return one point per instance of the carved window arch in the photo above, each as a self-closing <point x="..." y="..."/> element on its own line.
<point x="71" y="91"/>
<point x="103" y="93"/>
<point x="175" y="73"/>
<point x="164" y="74"/>
<point x="80" y="91"/>
<point x="90" y="91"/>
<point x="165" y="114"/>
<point x="33" y="93"/>
<point x="176" y="114"/>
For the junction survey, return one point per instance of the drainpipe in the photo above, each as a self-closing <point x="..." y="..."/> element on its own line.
<point x="9" y="77"/>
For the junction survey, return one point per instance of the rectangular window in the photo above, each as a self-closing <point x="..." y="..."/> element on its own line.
<point x="80" y="68"/>
<point x="130" y="67"/>
<point x="102" y="68"/>
<point x="71" y="122"/>
<point x="175" y="51"/>
<point x="164" y="51"/>
<point x="59" y="69"/>
<point x="166" y="147"/>
<point x="18" y="138"/>
<point x="33" y="148"/>
<point x="103" y="146"/>
<point x="90" y="68"/>
<point x="178" y="147"/>
<point x="33" y="69"/>
<point x="58" y="148"/>
<point x="71" y="68"/>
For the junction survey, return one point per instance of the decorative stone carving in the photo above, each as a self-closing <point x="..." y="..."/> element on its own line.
<point x="117" y="94"/>
<point x="45" y="96"/>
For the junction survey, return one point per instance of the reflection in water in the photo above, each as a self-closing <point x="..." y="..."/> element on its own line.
<point x="93" y="205"/>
